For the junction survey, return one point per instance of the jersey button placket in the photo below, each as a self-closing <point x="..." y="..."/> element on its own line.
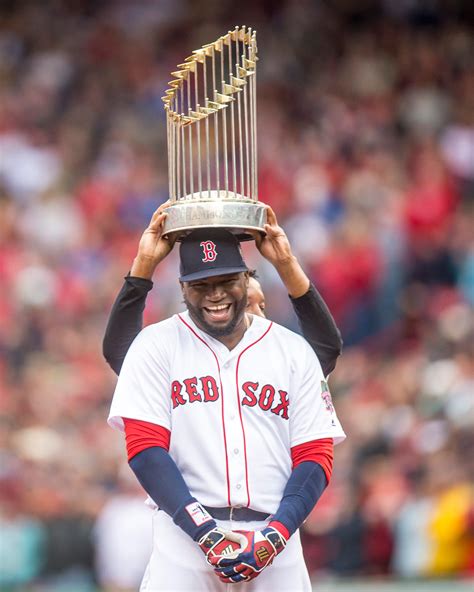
<point x="234" y="434"/>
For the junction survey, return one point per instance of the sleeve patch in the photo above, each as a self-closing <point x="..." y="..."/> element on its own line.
<point x="326" y="396"/>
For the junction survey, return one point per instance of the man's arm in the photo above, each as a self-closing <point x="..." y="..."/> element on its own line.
<point x="316" y="322"/>
<point x="318" y="327"/>
<point x="125" y="320"/>
<point x="149" y="459"/>
<point x="126" y="317"/>
<point x="312" y="466"/>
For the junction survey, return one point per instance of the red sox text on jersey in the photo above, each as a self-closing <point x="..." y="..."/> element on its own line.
<point x="205" y="390"/>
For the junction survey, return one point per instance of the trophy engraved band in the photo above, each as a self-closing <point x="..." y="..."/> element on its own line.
<point x="211" y="120"/>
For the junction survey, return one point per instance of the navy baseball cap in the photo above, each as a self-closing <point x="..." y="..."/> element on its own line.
<point x="206" y="252"/>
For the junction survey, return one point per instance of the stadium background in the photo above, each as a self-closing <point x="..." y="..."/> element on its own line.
<point x="366" y="148"/>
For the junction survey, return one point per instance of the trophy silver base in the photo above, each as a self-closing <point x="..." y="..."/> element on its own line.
<point x="234" y="212"/>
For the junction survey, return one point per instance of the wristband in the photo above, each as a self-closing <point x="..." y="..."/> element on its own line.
<point x="194" y="519"/>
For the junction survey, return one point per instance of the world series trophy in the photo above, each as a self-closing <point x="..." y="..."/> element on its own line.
<point x="211" y="120"/>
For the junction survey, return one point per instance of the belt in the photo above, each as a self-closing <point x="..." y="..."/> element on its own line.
<point x="237" y="513"/>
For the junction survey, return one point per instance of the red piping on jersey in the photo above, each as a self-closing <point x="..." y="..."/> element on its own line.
<point x="222" y="406"/>
<point x="240" y="409"/>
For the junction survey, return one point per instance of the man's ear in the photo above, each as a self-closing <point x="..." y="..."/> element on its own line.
<point x="181" y="285"/>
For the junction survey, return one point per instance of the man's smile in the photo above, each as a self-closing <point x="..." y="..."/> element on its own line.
<point x="218" y="313"/>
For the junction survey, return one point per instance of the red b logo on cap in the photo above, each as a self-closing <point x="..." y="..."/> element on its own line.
<point x="209" y="250"/>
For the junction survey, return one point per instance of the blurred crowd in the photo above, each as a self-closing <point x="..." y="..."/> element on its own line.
<point x="366" y="153"/>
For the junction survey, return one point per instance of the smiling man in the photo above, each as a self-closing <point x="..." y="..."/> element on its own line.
<point x="229" y="428"/>
<point x="214" y="281"/>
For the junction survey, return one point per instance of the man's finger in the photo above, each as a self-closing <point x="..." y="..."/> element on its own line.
<point x="255" y="234"/>
<point x="231" y="569"/>
<point x="273" y="231"/>
<point x="259" y="237"/>
<point x="164" y="205"/>
<point x="156" y="214"/>
<point x="159" y="210"/>
<point x="171" y="238"/>
<point x="234" y="579"/>
<point x="157" y="221"/>
<point x="271" y="217"/>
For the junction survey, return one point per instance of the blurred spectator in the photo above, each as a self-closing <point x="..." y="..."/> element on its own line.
<point x="22" y="540"/>
<point x="123" y="537"/>
<point x="412" y="543"/>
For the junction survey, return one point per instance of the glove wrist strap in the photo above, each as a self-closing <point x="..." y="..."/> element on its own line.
<point x="281" y="528"/>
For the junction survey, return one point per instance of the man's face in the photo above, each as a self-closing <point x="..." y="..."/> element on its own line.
<point x="256" y="298"/>
<point x="217" y="304"/>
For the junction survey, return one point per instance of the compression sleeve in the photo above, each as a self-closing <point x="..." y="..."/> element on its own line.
<point x="125" y="321"/>
<point x="304" y="488"/>
<point x="318" y="327"/>
<point x="161" y="479"/>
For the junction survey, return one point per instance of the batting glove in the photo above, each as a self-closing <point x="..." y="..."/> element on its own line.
<point x="261" y="548"/>
<point x="219" y="544"/>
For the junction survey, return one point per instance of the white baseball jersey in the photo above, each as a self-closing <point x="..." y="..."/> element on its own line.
<point x="233" y="415"/>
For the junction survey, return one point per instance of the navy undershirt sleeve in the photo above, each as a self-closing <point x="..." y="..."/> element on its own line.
<point x="304" y="488"/>
<point x="125" y="320"/>
<point x="318" y="327"/>
<point x="162" y="480"/>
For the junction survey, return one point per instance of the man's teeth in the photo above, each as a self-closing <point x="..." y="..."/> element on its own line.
<point x="218" y="307"/>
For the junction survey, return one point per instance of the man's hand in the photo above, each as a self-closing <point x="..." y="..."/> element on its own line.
<point x="261" y="548"/>
<point x="276" y="248"/>
<point x="275" y="245"/>
<point x="219" y="544"/>
<point x="153" y="247"/>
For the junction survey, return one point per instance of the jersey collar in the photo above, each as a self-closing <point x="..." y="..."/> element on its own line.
<point x="256" y="330"/>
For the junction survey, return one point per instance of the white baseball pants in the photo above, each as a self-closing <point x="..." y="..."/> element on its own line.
<point x="177" y="564"/>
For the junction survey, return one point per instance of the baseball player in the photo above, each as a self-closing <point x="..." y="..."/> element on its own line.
<point x="229" y="427"/>
<point x="316" y="322"/>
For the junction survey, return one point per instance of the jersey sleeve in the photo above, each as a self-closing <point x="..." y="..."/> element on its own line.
<point x="318" y="327"/>
<point x="125" y="320"/>
<point x="142" y="390"/>
<point x="313" y="414"/>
